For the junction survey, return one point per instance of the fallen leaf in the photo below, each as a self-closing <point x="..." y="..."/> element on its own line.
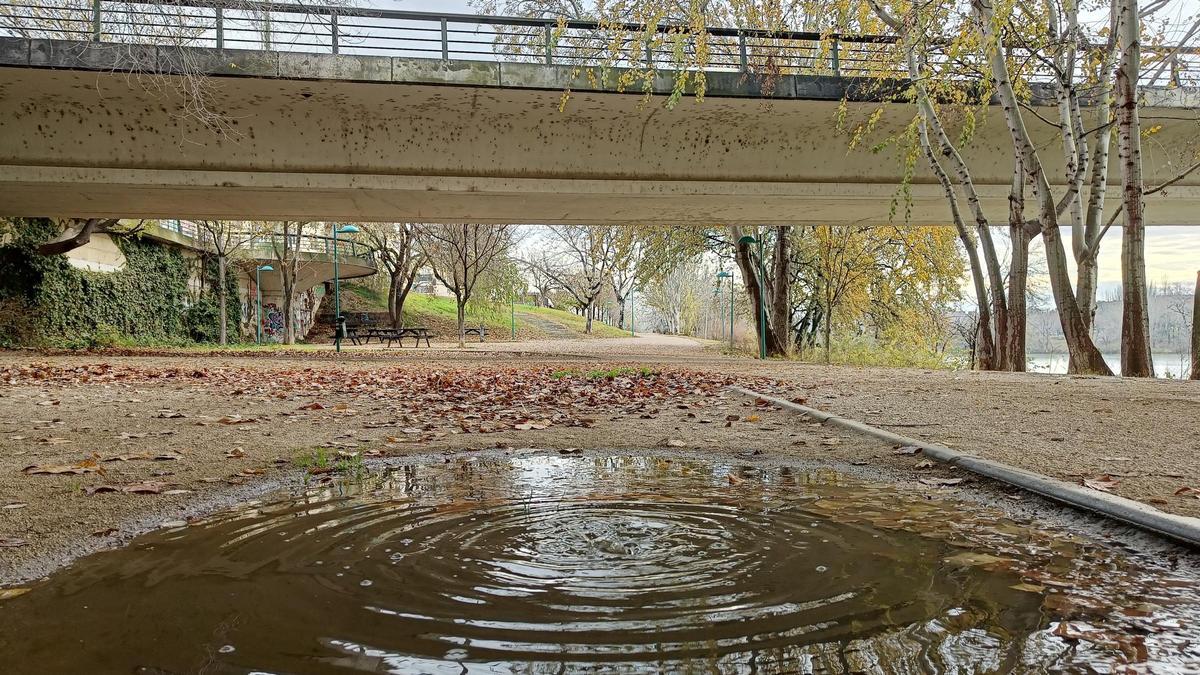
<point x="1187" y="490"/>
<point x="753" y="418"/>
<point x="234" y="419"/>
<point x="1103" y="483"/>
<point x="1028" y="588"/>
<point x="906" y="450"/>
<point x="312" y="406"/>
<point x="734" y="480"/>
<point x="82" y="466"/>
<point x="12" y="542"/>
<point x="236" y="453"/>
<point x="973" y="558"/>
<point x="924" y="464"/>
<point x="14" y="505"/>
<point x="675" y="443"/>
<point x="6" y="593"/>
<point x="94" y="489"/>
<point x="941" y="482"/>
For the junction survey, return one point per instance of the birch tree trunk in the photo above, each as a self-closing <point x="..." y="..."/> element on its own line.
<point x="1196" y="331"/>
<point x="1136" y="360"/>
<point x="222" y="295"/>
<point x="1085" y="358"/>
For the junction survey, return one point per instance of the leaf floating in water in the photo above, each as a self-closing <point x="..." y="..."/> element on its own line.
<point x="941" y="482"/>
<point x="974" y="559"/>
<point x="6" y="593"/>
<point x="1028" y="588"/>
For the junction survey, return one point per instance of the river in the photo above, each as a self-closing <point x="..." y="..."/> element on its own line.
<point x="1166" y="364"/>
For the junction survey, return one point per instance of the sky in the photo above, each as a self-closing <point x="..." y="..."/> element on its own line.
<point x="1172" y="253"/>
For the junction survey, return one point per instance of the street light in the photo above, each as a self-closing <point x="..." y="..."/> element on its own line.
<point x="337" y="288"/>
<point x="762" y="290"/>
<point x="728" y="275"/>
<point x="258" y="287"/>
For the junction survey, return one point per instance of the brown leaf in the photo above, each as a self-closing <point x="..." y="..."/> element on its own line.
<point x="167" y="456"/>
<point x="675" y="443"/>
<point x="312" y="406"/>
<point x="1187" y="490"/>
<point x="94" y="489"/>
<point x="924" y="464"/>
<point x="732" y="418"/>
<point x="236" y="453"/>
<point x="234" y="419"/>
<point x="906" y="450"/>
<point x="734" y="480"/>
<point x="941" y="482"/>
<point x="12" y="542"/>
<point x="149" y="487"/>
<point x="82" y="466"/>
<point x="14" y="505"/>
<point x="1103" y="483"/>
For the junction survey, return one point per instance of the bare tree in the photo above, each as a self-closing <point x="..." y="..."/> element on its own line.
<point x="224" y="239"/>
<point x="286" y="239"/>
<point x="396" y="246"/>
<point x="460" y="254"/>
<point x="1136" y="359"/>
<point x="1195" y="375"/>
<point x="583" y="263"/>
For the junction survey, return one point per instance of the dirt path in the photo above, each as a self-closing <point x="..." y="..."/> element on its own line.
<point x="183" y="434"/>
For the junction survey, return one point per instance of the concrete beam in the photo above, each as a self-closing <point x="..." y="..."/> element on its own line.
<point x="382" y="138"/>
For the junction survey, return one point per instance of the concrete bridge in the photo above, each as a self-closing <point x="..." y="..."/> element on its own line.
<point x="366" y="137"/>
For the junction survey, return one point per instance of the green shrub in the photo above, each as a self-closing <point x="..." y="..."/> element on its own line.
<point x="54" y="304"/>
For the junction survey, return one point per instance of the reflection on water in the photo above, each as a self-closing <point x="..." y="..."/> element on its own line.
<point x="1166" y="364"/>
<point x="545" y="564"/>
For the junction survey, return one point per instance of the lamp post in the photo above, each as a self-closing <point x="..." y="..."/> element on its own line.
<point x="512" y="315"/>
<point x="728" y="275"/>
<point x="258" y="287"/>
<point x="762" y="291"/>
<point x="337" y="287"/>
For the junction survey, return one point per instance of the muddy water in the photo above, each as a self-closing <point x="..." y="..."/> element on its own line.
<point x="548" y="564"/>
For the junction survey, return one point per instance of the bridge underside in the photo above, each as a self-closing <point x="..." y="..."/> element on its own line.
<point x="78" y="143"/>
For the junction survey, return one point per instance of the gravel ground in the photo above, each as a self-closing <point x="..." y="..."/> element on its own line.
<point x="1144" y="434"/>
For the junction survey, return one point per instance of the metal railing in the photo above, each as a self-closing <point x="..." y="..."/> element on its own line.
<point x="262" y="245"/>
<point x="284" y="27"/>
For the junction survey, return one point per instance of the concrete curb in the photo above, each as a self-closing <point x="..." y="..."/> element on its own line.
<point x="1177" y="528"/>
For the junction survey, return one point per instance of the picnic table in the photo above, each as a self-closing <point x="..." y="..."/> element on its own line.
<point x="418" y="333"/>
<point x="481" y="331"/>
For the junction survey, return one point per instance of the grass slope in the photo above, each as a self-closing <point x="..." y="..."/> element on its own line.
<point x="439" y="314"/>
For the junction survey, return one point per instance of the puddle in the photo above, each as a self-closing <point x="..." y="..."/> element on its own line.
<point x="548" y="564"/>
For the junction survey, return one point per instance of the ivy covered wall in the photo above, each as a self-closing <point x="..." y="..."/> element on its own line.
<point x="45" y="301"/>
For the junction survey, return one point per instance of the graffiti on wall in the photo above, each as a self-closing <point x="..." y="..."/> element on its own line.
<point x="272" y="322"/>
